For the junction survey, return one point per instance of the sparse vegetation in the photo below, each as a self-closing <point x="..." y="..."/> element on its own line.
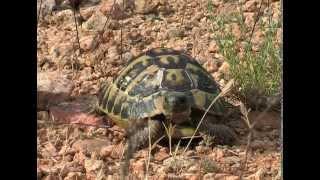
<point x="256" y="67"/>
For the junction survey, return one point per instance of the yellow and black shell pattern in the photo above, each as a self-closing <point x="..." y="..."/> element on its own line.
<point x="147" y="77"/>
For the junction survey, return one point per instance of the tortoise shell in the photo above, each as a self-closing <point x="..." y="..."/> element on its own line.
<point x="138" y="91"/>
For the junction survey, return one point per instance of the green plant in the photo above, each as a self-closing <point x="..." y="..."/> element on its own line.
<point x="255" y="71"/>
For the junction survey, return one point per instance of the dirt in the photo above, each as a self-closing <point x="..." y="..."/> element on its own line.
<point x="74" y="144"/>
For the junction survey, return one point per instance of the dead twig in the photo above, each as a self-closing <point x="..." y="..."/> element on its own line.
<point x="256" y="20"/>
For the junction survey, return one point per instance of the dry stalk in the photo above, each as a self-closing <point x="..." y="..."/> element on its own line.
<point x="256" y="20"/>
<point x="149" y="152"/>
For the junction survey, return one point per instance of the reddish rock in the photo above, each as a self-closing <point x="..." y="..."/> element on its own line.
<point x="90" y="145"/>
<point x="52" y="87"/>
<point x="161" y="155"/>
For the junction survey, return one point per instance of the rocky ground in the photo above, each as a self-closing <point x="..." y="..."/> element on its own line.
<point x="83" y="147"/>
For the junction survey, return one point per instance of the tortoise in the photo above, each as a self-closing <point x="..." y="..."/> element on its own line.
<point x="162" y="86"/>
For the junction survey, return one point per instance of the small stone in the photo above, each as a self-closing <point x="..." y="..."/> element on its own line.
<point x="257" y="37"/>
<point x="217" y="3"/>
<point x="190" y="153"/>
<point x="249" y="19"/>
<point x="216" y="75"/>
<point x="236" y="31"/>
<point x="49" y="150"/>
<point x="213" y="47"/>
<point x="138" y="167"/>
<point x="219" y="153"/>
<point x="86" y="43"/>
<point x="107" y="150"/>
<point x="194" y="169"/>
<point x="222" y="176"/>
<point x="232" y="160"/>
<point x="90" y="145"/>
<point x="146" y="6"/>
<point x="224" y="68"/>
<point x="250" y="6"/>
<point x="202" y="149"/>
<point x="93" y="165"/>
<point x="211" y="66"/>
<point x="74" y="176"/>
<point x="135" y="37"/>
<point x="209" y="176"/>
<point x="43" y="115"/>
<point x="259" y="175"/>
<point x="191" y="176"/>
<point x="161" y="155"/>
<point x="51" y="177"/>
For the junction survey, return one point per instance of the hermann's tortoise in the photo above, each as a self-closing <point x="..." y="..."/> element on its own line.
<point x="164" y="86"/>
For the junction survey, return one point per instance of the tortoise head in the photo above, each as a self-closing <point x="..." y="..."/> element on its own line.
<point x="176" y="106"/>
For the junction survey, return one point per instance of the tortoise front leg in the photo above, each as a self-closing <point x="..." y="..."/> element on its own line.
<point x="222" y="134"/>
<point x="138" y="137"/>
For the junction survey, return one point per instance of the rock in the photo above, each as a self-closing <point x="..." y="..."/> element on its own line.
<point x="202" y="149"/>
<point x="138" y="167"/>
<point x="250" y="6"/>
<point x="249" y="18"/>
<point x="194" y="169"/>
<point x="191" y="176"/>
<point x="232" y="160"/>
<point x="211" y="65"/>
<point x="219" y="153"/>
<point x="49" y="150"/>
<point x="178" y="162"/>
<point x="93" y="165"/>
<point x="74" y="176"/>
<point x="113" y="52"/>
<point x="209" y="176"/>
<point x="225" y="68"/>
<point x="77" y="112"/>
<point x="107" y="150"/>
<point x="146" y="6"/>
<point x="213" y="47"/>
<point x="176" y="32"/>
<point x="43" y="115"/>
<point x="46" y="7"/>
<point x="87" y="42"/>
<point x="117" y="12"/>
<point x="279" y="35"/>
<point x="52" y="87"/>
<point x="222" y="176"/>
<point x="134" y="37"/>
<point x="217" y="3"/>
<point x="52" y="177"/>
<point x="217" y="75"/>
<point x="259" y="175"/>
<point x="236" y="31"/>
<point x="90" y="145"/>
<point x="161" y="155"/>
<point x="95" y="22"/>
<point x="257" y="37"/>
